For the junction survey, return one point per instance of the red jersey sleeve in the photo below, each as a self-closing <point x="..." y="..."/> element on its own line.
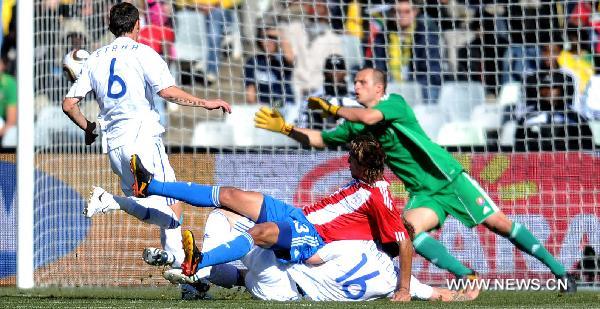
<point x="387" y="219"/>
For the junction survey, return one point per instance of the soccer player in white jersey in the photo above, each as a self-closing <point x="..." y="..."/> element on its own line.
<point x="361" y="210"/>
<point x="124" y="75"/>
<point x="354" y="270"/>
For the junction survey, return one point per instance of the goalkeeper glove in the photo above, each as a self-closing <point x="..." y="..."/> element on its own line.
<point x="320" y="103"/>
<point x="271" y="119"/>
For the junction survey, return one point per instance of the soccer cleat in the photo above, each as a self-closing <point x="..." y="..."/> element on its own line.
<point x="176" y="276"/>
<point x="194" y="291"/>
<point x="141" y="177"/>
<point x="99" y="201"/>
<point x="193" y="256"/>
<point x="473" y="276"/>
<point x="157" y="257"/>
<point x="571" y="284"/>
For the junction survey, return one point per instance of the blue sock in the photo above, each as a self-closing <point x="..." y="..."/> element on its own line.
<point x="227" y="252"/>
<point x="191" y="193"/>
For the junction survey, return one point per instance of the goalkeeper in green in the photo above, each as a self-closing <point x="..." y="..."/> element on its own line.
<point x="438" y="185"/>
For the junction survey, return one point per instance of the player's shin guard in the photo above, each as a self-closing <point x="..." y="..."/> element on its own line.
<point x="433" y="250"/>
<point x="227" y="252"/>
<point x="152" y="210"/>
<point x="523" y="239"/>
<point x="191" y="193"/>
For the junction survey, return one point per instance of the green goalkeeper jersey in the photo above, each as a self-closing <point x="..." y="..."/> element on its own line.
<point x="421" y="164"/>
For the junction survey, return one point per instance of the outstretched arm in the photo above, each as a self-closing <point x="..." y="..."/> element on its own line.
<point x="179" y="96"/>
<point x="272" y="120"/>
<point x="307" y="137"/>
<point x="366" y="116"/>
<point x="402" y="292"/>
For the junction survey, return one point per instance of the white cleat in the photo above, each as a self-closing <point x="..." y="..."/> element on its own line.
<point x="100" y="201"/>
<point x="176" y="276"/>
<point x="157" y="257"/>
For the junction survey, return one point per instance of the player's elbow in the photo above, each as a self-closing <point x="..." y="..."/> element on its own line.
<point x="68" y="105"/>
<point x="168" y="93"/>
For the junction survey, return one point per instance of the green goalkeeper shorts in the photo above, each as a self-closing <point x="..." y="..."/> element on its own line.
<point x="462" y="199"/>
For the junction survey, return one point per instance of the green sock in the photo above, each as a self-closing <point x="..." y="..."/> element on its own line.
<point x="522" y="238"/>
<point x="433" y="250"/>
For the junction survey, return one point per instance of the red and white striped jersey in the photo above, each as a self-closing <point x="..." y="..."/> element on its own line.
<point x="358" y="211"/>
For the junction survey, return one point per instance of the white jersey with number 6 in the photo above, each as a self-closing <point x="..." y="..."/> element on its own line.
<point x="124" y="76"/>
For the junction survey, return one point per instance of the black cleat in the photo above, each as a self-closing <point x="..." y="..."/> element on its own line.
<point x="571" y="287"/>
<point x="141" y="177"/>
<point x="194" y="291"/>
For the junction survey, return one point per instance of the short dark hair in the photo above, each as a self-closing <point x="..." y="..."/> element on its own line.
<point x="369" y="154"/>
<point x="379" y="76"/>
<point x="123" y="17"/>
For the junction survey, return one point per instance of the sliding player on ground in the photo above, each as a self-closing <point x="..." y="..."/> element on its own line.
<point x="353" y="270"/>
<point x="361" y="210"/>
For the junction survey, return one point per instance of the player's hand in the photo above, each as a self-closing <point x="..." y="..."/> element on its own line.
<point x="322" y="104"/>
<point x="218" y="103"/>
<point x="271" y="119"/>
<point x="90" y="133"/>
<point x="401" y="295"/>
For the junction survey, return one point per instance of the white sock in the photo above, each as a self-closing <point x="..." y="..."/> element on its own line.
<point x="170" y="239"/>
<point x="152" y="210"/>
<point x="217" y="231"/>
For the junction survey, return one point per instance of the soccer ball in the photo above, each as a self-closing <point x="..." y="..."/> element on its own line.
<point x="73" y="63"/>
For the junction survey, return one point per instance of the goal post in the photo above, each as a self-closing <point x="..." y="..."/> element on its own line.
<point x="25" y="148"/>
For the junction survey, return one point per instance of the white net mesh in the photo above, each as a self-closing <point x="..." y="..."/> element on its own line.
<point x="484" y="79"/>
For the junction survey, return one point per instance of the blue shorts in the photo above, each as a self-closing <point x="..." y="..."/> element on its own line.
<point x="304" y="241"/>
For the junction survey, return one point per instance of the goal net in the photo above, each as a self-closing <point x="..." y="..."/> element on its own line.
<point x="508" y="87"/>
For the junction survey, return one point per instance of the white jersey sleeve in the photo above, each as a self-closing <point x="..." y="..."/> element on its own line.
<point x="157" y="73"/>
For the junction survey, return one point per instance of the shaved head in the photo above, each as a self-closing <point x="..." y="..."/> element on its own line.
<point x="369" y="86"/>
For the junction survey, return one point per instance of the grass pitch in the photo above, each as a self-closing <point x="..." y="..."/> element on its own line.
<point x="168" y="297"/>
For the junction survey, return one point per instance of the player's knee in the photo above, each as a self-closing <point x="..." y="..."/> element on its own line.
<point x="227" y="195"/>
<point x="499" y="224"/>
<point x="264" y="234"/>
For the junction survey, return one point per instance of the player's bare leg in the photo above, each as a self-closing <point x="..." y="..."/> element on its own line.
<point x="423" y="219"/>
<point x="447" y="295"/>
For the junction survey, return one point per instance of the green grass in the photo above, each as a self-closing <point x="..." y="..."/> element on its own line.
<point x="169" y="298"/>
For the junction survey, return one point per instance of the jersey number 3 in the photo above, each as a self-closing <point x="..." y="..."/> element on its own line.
<point x="360" y="282"/>
<point x="112" y="79"/>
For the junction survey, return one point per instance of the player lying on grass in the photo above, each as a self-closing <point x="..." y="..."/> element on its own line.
<point x="437" y="183"/>
<point x="361" y="210"/>
<point x="353" y="270"/>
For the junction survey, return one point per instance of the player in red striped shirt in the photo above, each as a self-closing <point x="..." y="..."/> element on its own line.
<point x="361" y="210"/>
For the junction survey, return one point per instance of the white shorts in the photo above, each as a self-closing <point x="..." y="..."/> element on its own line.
<point x="354" y="270"/>
<point x="267" y="278"/>
<point x="153" y="156"/>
